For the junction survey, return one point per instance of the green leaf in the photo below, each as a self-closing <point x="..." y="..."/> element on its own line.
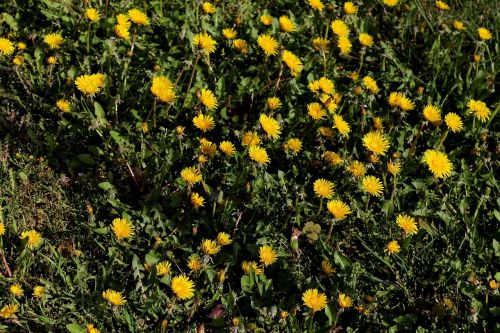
<point x="75" y="328"/>
<point x="11" y="22"/>
<point x="496" y="247"/>
<point x="99" y="112"/>
<point x="330" y="313"/>
<point x="152" y="258"/>
<point x="106" y="186"/>
<point x="86" y="158"/>
<point x="341" y="261"/>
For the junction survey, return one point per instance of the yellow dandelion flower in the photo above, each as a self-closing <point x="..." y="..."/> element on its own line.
<point x="286" y="24"/>
<point x="6" y="46"/>
<point x="204" y="122"/>
<point x="394" y="99"/>
<point x="320" y="43"/>
<point x="39" y="291"/>
<point x="372" y="185"/>
<point x="2" y="229"/>
<point x="270" y="126"/>
<point x="34" y="238"/>
<point x="223" y="239"/>
<point x="227" y="148"/>
<point x="273" y="103"/>
<point x="293" y="62"/>
<point x="394" y="167"/>
<point x="123" y="20"/>
<point x="114" y="298"/>
<point x="121" y="31"/>
<point x="350" y="8"/>
<point x="442" y="5"/>
<point x="8" y="311"/>
<point x="458" y="25"/>
<point x="18" y="60"/>
<point x="338" y="209"/>
<point x="480" y="110"/>
<point x="340" y="28"/>
<point x="377" y="123"/>
<point x="208" y="8"/>
<point x="493" y="285"/>
<point x="484" y="34"/>
<point x="250" y="139"/>
<point x="267" y="255"/>
<point x="357" y="169"/>
<point x="209" y="247"/>
<point x="182" y="287"/>
<point x="316" y="4"/>
<point x="332" y="158"/>
<point x="247" y="265"/>
<point x="341" y="125"/>
<point x="390" y="3"/>
<point x="371" y="84"/>
<point x="92" y="14"/>
<point x="229" y="33"/>
<point x="325" y="131"/>
<point x="266" y="19"/>
<point x="345" y="45"/>
<point x="293" y="144"/>
<point x="208" y="99"/>
<point x="392" y="247"/>
<point x="406" y="104"/>
<point x="326" y="86"/>
<point x="197" y="200"/>
<point x="63" y="105"/>
<point x="163" y="268"/>
<point x="191" y="175"/>
<point x="407" y="223"/>
<point x="327" y="267"/>
<point x="194" y="263"/>
<point x="163" y="88"/>
<point x="454" y="122"/>
<point x="122" y="228"/>
<point x="344" y="301"/>
<point x="314" y="300"/>
<point x="21" y="46"/>
<point x="365" y="39"/>
<point x="92" y="329"/>
<point x="323" y="188"/>
<point x="376" y="142"/>
<point x="205" y="42"/>
<point x="16" y="290"/>
<point x="53" y="40"/>
<point x="51" y="60"/>
<point x="315" y="110"/>
<point x="258" y="154"/>
<point x="241" y="45"/>
<point x="438" y="163"/>
<point x="138" y="17"/>
<point x="432" y="113"/>
<point x="268" y="44"/>
<point x="90" y="84"/>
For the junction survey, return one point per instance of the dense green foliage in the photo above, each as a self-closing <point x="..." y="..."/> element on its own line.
<point x="120" y="153"/>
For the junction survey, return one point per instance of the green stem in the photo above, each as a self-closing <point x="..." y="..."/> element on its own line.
<point x="154" y="113"/>
<point x="443" y="137"/>
<point x="330" y="231"/>
<point x="88" y="39"/>
<point x="191" y="79"/>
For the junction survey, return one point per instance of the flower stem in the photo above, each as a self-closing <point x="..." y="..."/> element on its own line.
<point x="441" y="140"/>
<point x="191" y="78"/>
